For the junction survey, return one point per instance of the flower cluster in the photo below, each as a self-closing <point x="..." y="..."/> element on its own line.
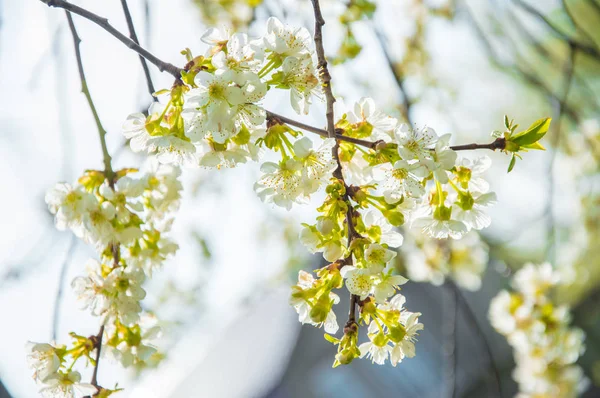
<point x="545" y="347"/>
<point x="126" y="217"/>
<point x="213" y="116"/>
<point x="430" y="260"/>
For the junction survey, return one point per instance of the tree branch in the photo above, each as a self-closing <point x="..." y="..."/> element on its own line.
<point x="84" y="89"/>
<point x="406" y="101"/>
<point x="325" y="76"/>
<point x="471" y="319"/>
<point x="499" y="143"/>
<point x="134" y="37"/>
<point x="97" y="339"/>
<point x="450" y="337"/>
<point x="591" y="51"/>
<point x="104" y="24"/>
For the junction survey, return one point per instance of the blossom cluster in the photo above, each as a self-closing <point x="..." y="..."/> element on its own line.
<point x="213" y="116"/>
<point x="545" y="346"/>
<point x="432" y="260"/>
<point x="126" y="217"/>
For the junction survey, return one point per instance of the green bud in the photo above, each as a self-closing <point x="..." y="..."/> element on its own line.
<point x="465" y="200"/>
<point x="397" y="333"/>
<point x="394" y="217"/>
<point x="442" y="213"/>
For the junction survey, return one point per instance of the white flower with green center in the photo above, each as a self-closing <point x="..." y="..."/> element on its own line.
<point x="439" y="224"/>
<point x="507" y="311"/>
<point x="216" y="37"/>
<point x="69" y="205"/>
<point x="170" y="148"/>
<point x="42" y="358"/>
<point x="366" y="117"/>
<point x="134" y="129"/>
<point x="534" y="281"/>
<point x="239" y="57"/>
<point x="281" y="183"/>
<point x="379" y="230"/>
<point x="415" y="143"/>
<point x="470" y="209"/>
<point x="401" y="180"/>
<point x="163" y="193"/>
<point x="469" y="174"/>
<point x="405" y="337"/>
<point x="387" y="285"/>
<point x="214" y="98"/>
<point x="90" y="290"/>
<point x="299" y="76"/>
<point x="442" y="159"/>
<point x="300" y="304"/>
<point x="359" y="281"/>
<point x="124" y="291"/>
<point x="378" y="256"/>
<point x="317" y="165"/>
<point x="377" y="348"/>
<point x="98" y="228"/>
<point x="67" y="385"/>
<point x="286" y="41"/>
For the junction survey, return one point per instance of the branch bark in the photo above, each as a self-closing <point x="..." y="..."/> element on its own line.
<point x="134" y="37"/>
<point x="104" y="24"/>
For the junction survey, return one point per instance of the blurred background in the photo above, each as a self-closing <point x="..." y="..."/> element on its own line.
<point x="457" y="66"/>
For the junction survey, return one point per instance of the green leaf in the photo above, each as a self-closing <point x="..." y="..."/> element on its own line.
<point x="536" y="145"/>
<point x="533" y="134"/>
<point x="512" y="164"/>
<point x="331" y="339"/>
<point x="506" y="122"/>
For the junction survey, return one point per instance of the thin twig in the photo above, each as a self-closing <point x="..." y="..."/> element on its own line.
<point x="499" y="143"/>
<point x="61" y="283"/>
<point x="84" y="89"/>
<point x="325" y="76"/>
<point x="568" y="82"/>
<point x="108" y="171"/>
<point x="398" y="77"/>
<point x="589" y="50"/>
<point x="104" y="24"/>
<point x="450" y="336"/>
<point x="471" y="319"/>
<point x="134" y="37"/>
<point x="98" y="345"/>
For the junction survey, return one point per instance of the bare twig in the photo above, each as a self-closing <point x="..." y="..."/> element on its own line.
<point x="134" y="37"/>
<point x="450" y="337"/>
<point x="97" y="339"/>
<point x="325" y="76"/>
<point x="108" y="171"/>
<point x="398" y="77"/>
<point x="471" y="319"/>
<point x="568" y="82"/>
<point x="104" y="24"/>
<point x="85" y="90"/>
<point x="499" y="143"/>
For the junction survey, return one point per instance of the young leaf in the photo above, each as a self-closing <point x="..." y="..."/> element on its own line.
<point x="512" y="164"/>
<point x="533" y="134"/>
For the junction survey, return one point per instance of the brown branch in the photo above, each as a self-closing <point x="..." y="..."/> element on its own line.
<point x="279" y="119"/>
<point x="104" y="24"/>
<point x="499" y="143"/>
<point x="134" y="37"/>
<point x="97" y="340"/>
<point x="325" y="76"/>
